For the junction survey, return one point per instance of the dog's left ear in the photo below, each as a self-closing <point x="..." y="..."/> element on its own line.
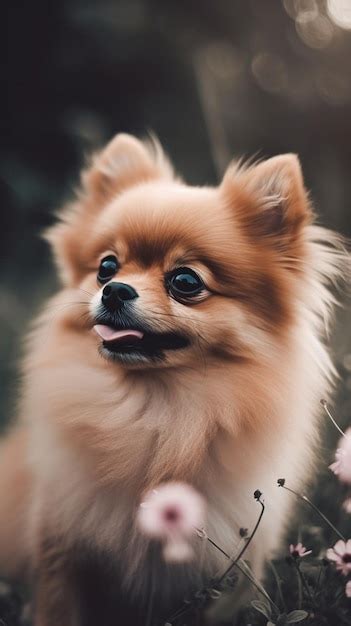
<point x="270" y="199"/>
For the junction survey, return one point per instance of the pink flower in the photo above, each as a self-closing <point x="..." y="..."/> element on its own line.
<point x="299" y="551"/>
<point x="172" y="513"/>
<point x="348" y="589"/>
<point x="347" y="505"/>
<point x="341" y="554"/>
<point x="342" y="464"/>
<point x="177" y="551"/>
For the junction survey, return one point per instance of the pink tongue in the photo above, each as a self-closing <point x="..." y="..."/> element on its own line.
<point x="110" y="334"/>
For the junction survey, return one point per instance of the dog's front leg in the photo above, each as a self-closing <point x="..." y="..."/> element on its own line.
<point x="57" y="595"/>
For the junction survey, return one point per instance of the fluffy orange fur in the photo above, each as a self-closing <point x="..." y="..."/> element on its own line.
<point x="231" y="412"/>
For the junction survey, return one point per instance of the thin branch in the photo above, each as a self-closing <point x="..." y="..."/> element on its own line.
<point x="243" y="550"/>
<point x="278" y="581"/>
<point x="254" y="582"/>
<point x="304" y="581"/>
<point x="313" y="506"/>
<point x="240" y="567"/>
<point x="328" y="412"/>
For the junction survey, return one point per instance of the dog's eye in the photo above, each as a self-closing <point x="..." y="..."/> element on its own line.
<point x="108" y="268"/>
<point x="184" y="283"/>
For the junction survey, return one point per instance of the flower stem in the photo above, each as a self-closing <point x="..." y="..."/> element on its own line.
<point x="318" y="581"/>
<point x="304" y="581"/>
<point x="241" y="568"/>
<point x="218" y="548"/>
<point x="299" y="588"/>
<point x="201" y="533"/>
<point x="327" y="410"/>
<point x="316" y="509"/>
<point x="244" y="548"/>
<point x="278" y="581"/>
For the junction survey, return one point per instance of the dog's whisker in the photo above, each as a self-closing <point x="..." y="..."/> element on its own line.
<point x="86" y="292"/>
<point x="67" y="304"/>
<point x="181" y="317"/>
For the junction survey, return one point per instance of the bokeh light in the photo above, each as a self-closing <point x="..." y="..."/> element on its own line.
<point x="340" y="12"/>
<point x="316" y="32"/>
<point x="301" y="9"/>
<point x="223" y="60"/>
<point x="269" y="71"/>
<point x="333" y="87"/>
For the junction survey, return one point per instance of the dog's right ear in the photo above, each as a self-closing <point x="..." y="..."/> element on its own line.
<point x="124" y="162"/>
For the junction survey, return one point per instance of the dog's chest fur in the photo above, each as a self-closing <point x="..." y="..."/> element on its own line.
<point x="92" y="480"/>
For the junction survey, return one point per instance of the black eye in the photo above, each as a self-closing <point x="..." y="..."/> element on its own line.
<point x="108" y="268"/>
<point x="184" y="283"/>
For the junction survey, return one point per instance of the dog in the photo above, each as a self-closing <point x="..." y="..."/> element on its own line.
<point x="186" y="343"/>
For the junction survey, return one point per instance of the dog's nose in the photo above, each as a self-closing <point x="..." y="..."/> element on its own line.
<point x="114" y="295"/>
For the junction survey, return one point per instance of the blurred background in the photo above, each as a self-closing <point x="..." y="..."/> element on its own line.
<point x="213" y="80"/>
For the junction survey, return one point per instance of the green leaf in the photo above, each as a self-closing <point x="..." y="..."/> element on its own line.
<point x="296" y="616"/>
<point x="262" y="607"/>
<point x="270" y="624"/>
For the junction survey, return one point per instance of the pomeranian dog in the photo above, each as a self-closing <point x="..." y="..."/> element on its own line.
<point x="186" y="344"/>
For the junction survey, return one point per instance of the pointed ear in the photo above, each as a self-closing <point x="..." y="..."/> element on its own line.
<point x="270" y="198"/>
<point x="124" y="162"/>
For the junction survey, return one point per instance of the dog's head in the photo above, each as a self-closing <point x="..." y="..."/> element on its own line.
<point x="174" y="275"/>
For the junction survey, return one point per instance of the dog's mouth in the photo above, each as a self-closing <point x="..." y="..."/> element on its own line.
<point x="135" y="342"/>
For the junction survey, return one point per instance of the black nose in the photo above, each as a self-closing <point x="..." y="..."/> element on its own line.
<point x="114" y="295"/>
